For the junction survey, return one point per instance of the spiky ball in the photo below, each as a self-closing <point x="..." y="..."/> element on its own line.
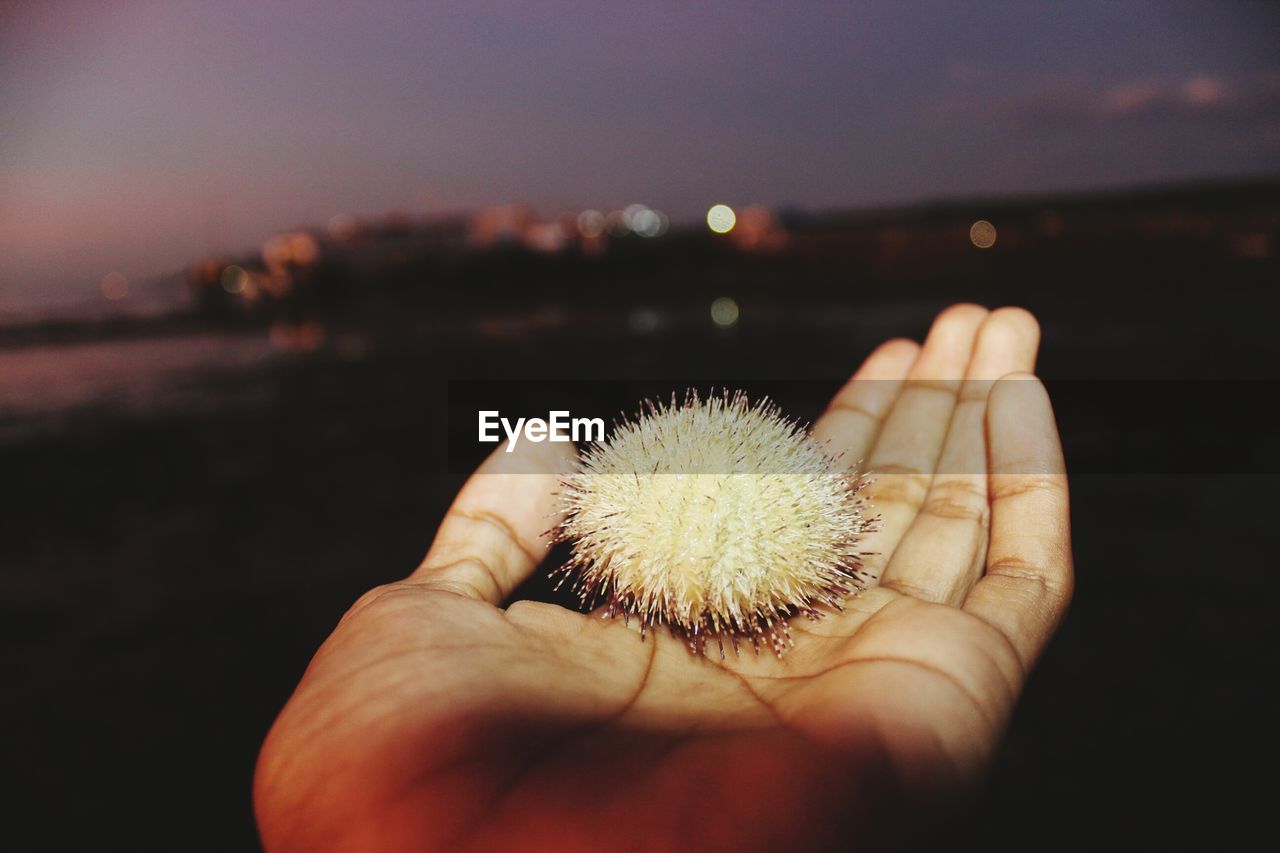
<point x="716" y="518"/>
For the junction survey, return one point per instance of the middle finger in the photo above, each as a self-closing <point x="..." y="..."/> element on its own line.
<point x="906" y="452"/>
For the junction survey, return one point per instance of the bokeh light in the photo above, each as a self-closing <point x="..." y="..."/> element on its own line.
<point x="591" y="224"/>
<point x="721" y="218"/>
<point x="115" y="286"/>
<point x="343" y="226"/>
<point x="291" y="249"/>
<point x="234" y="279"/>
<point x="630" y="212"/>
<point x="724" y="312"/>
<point x="644" y="320"/>
<point x="647" y="223"/>
<point x="982" y="234"/>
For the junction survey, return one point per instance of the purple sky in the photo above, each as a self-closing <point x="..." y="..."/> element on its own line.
<point x="138" y="136"/>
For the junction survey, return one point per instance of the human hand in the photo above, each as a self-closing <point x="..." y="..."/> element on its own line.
<point x="433" y="718"/>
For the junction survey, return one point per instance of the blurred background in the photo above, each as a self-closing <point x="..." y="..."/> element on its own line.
<point x="244" y="248"/>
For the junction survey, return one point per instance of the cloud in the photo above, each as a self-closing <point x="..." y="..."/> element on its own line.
<point x="1244" y="99"/>
<point x="1075" y="102"/>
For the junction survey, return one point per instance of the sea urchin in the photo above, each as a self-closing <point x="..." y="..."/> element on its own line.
<point x="715" y="517"/>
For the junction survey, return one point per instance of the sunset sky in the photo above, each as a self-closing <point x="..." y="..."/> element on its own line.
<point x="138" y="136"/>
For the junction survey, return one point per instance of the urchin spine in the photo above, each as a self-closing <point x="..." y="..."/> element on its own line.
<point x="716" y="518"/>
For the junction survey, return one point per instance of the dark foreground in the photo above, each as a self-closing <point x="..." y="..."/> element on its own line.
<point x="166" y="576"/>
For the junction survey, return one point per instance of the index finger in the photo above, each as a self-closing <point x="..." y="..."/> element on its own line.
<point x="852" y="421"/>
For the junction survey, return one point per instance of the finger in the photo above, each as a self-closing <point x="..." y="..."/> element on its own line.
<point x="494" y="534"/>
<point x="853" y="419"/>
<point x="943" y="553"/>
<point x="1027" y="585"/>
<point x="1010" y="336"/>
<point x="903" y="457"/>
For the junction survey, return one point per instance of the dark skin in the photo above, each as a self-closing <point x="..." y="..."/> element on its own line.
<point x="433" y="718"/>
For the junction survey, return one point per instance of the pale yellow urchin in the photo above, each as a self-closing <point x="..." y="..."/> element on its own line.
<point x="715" y="517"/>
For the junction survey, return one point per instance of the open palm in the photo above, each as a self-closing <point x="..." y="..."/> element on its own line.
<point x="432" y="718"/>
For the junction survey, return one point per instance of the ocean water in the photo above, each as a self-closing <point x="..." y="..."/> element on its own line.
<point x="132" y="377"/>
